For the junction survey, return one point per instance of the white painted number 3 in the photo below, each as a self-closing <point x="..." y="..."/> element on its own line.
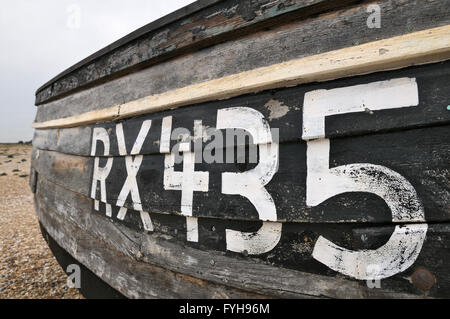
<point x="251" y="184"/>
<point x="323" y="182"/>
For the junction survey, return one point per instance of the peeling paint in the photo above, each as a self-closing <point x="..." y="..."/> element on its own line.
<point x="277" y="109"/>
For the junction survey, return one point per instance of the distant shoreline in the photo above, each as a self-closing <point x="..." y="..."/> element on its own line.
<point x="17" y="143"/>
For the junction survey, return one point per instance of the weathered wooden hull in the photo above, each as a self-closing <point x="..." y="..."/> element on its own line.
<point x="335" y="186"/>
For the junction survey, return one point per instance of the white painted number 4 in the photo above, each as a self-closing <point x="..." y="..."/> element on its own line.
<point x="323" y="182"/>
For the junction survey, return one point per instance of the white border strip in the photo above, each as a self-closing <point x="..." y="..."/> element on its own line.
<point x="429" y="46"/>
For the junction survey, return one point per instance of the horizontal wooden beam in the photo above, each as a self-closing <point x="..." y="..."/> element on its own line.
<point x="281" y="110"/>
<point x="417" y="48"/>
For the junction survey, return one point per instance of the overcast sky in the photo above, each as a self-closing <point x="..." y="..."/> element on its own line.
<point x="40" y="39"/>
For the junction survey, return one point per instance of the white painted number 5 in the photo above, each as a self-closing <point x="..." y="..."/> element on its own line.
<point x="405" y="244"/>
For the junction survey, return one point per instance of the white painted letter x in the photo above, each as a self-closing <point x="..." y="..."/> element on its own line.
<point x="133" y="165"/>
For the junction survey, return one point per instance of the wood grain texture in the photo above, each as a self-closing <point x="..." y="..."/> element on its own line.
<point x="288" y="271"/>
<point x="300" y="38"/>
<point x="153" y="26"/>
<point x="216" y="21"/>
<point x="420" y="155"/>
<point x="133" y="279"/>
<point x="71" y="171"/>
<point x="417" y="48"/>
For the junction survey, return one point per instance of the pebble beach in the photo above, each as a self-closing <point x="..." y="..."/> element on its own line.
<point x="28" y="270"/>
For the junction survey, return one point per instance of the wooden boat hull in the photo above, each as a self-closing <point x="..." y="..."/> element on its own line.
<point x="254" y="166"/>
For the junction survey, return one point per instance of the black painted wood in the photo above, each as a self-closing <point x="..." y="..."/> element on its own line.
<point x="420" y="155"/>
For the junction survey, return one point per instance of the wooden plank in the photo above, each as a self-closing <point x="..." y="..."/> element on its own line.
<point x="136" y="280"/>
<point x="302" y="38"/>
<point x="73" y="172"/>
<point x="68" y="141"/>
<point x="153" y="26"/>
<point x="419" y="155"/>
<point x="329" y="31"/>
<point x="417" y="48"/>
<point x="214" y="23"/>
<point x="276" y="274"/>
<point x="92" y="287"/>
<point x="282" y="109"/>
